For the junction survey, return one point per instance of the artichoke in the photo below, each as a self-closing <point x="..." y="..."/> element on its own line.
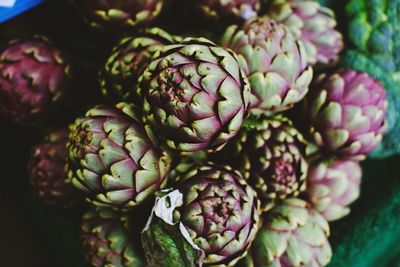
<point x="107" y="239"/>
<point x="48" y="171"/>
<point x="112" y="160"/>
<point x="313" y="24"/>
<point x="292" y="235"/>
<point x="222" y="10"/>
<point x="272" y="154"/>
<point x="333" y="185"/>
<point x="128" y="60"/>
<point x="195" y="94"/>
<point x="211" y="218"/>
<point x="119" y="14"/>
<point x="273" y="60"/>
<point x="34" y="76"/>
<point x="346" y="110"/>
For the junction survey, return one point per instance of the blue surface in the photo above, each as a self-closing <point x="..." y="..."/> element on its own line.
<point x="19" y="7"/>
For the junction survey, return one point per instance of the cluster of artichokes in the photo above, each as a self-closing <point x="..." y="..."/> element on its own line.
<point x="196" y="136"/>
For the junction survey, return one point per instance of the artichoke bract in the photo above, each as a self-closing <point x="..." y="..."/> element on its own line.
<point x="332" y="186"/>
<point x="272" y="154"/>
<point x="128" y="60"/>
<point x="107" y="239"/>
<point x="292" y="235"/>
<point x="112" y="160"/>
<point x="119" y="14"/>
<point x="195" y="95"/>
<point x="34" y="76"/>
<point x="213" y="210"/>
<point x="313" y="24"/>
<point x="274" y="62"/>
<point x="346" y="111"/>
<point x="49" y="173"/>
<point x="222" y="10"/>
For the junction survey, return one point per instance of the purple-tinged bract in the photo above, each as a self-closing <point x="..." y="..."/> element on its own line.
<point x="332" y="186"/>
<point x="112" y="160"/>
<point x="222" y="10"/>
<point x="127" y="62"/>
<point x="346" y="110"/>
<point x="196" y="95"/>
<point x="274" y="61"/>
<point x="107" y="239"/>
<point x="313" y="24"/>
<point x="49" y="173"/>
<point x="272" y="155"/>
<point x="217" y="213"/>
<point x="119" y="14"/>
<point x="292" y="235"/>
<point x="34" y="76"/>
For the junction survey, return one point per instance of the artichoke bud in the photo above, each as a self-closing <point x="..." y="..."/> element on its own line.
<point x="210" y="218"/>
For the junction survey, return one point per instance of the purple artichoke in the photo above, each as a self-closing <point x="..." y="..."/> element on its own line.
<point x="108" y="240"/>
<point x="347" y="110"/>
<point x="34" y="76"/>
<point x="272" y="154"/>
<point x="223" y="10"/>
<point x="127" y="62"/>
<point x="213" y="209"/>
<point x="119" y="14"/>
<point x="333" y="186"/>
<point x="313" y="24"/>
<point x="292" y="235"/>
<point x="195" y="95"/>
<point x="48" y="171"/>
<point x="274" y="62"/>
<point x="112" y="160"/>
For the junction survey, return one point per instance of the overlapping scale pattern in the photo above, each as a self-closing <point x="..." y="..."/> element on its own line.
<point x="220" y="212"/>
<point x="127" y="62"/>
<point x="48" y="170"/>
<point x="223" y="10"/>
<point x="346" y="110"/>
<point x="196" y="95"/>
<point x="313" y="24"/>
<point x="112" y="159"/>
<point x="107" y="239"/>
<point x="34" y="76"/>
<point x="292" y="235"/>
<point x="333" y="185"/>
<point x="119" y="14"/>
<point x="274" y="62"/>
<point x="272" y="154"/>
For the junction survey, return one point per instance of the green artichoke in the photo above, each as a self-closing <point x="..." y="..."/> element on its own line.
<point x="127" y="62"/>
<point x="313" y="24"/>
<point x="195" y="95"/>
<point x="292" y="235"/>
<point x="119" y="14"/>
<point x="211" y="218"/>
<point x="346" y="110"/>
<point x="332" y="186"/>
<point x="107" y="239"/>
<point x="274" y="62"/>
<point x="112" y="160"/>
<point x="34" y="78"/>
<point x="49" y="173"/>
<point x="272" y="154"/>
